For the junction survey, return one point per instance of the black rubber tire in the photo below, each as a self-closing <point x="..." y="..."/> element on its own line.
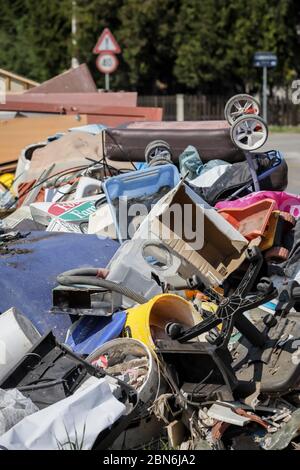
<point x="156" y="144"/>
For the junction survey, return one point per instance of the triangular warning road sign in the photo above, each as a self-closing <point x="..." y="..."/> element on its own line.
<point x="107" y="43"/>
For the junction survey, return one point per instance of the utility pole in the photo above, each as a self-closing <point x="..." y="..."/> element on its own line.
<point x="75" y="62"/>
<point x="265" y="93"/>
<point x="107" y="82"/>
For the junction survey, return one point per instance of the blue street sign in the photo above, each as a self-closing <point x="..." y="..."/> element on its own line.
<point x="265" y="59"/>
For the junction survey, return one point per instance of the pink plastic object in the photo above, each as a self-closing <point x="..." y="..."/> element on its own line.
<point x="285" y="202"/>
<point x="250" y="221"/>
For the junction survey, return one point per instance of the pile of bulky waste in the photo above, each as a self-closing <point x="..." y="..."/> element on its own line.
<point x="150" y="288"/>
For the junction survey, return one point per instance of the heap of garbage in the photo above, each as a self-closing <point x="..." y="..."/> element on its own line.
<point x="150" y="288"/>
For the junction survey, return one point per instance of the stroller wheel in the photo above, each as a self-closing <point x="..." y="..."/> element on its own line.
<point x="249" y="132"/>
<point x="158" y="148"/>
<point x="277" y="254"/>
<point x="240" y="105"/>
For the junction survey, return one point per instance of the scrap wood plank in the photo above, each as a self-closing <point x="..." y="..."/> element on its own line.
<point x="18" y="133"/>
<point x="71" y="100"/>
<point x="116" y="116"/>
<point x="108" y="115"/>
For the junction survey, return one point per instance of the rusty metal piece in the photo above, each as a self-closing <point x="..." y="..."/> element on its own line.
<point x="252" y="417"/>
<point x="218" y="430"/>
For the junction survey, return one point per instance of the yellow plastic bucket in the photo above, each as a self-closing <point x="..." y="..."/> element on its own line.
<point x="147" y="322"/>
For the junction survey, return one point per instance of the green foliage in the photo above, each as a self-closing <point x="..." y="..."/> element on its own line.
<point x="216" y="41"/>
<point x="169" y="46"/>
<point x="145" y="31"/>
<point x="69" y="444"/>
<point x="35" y="37"/>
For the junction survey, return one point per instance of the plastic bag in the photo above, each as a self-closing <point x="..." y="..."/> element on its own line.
<point x="14" y="406"/>
<point x="70" y="424"/>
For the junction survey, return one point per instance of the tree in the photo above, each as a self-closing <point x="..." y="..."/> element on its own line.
<point x="200" y="44"/>
<point x="167" y="46"/>
<point x="216" y="41"/>
<point x="145" y="31"/>
<point x="35" y="38"/>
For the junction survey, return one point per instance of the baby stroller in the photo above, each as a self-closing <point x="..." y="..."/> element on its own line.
<point x="251" y="171"/>
<point x="249" y="132"/>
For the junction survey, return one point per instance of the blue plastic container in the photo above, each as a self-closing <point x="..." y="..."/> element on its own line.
<point x="138" y="187"/>
<point x="92" y="332"/>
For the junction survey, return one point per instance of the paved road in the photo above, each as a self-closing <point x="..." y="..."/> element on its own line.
<point x="289" y="144"/>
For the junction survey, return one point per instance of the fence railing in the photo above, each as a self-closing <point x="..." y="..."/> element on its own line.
<point x="281" y="111"/>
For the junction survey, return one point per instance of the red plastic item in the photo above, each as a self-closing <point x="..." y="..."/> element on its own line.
<point x="250" y="221"/>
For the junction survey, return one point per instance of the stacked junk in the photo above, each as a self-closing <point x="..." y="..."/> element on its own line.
<point x="150" y="284"/>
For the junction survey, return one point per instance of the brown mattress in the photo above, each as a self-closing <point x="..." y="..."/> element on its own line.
<point x="211" y="138"/>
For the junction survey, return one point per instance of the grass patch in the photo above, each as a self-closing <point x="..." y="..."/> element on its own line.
<point x="77" y="444"/>
<point x="157" y="444"/>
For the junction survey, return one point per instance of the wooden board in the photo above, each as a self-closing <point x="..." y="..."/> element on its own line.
<point x="18" y="133"/>
<point x="69" y="101"/>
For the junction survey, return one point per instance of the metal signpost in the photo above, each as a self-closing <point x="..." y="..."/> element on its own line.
<point x="265" y="60"/>
<point x="106" y="48"/>
<point x="107" y="63"/>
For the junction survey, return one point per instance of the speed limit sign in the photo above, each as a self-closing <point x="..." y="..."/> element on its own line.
<point x="107" y="62"/>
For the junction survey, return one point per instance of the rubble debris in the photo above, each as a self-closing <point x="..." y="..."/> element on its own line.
<point x="173" y="317"/>
<point x="131" y="362"/>
<point x="282" y="438"/>
<point x="18" y="133"/>
<point x="205" y="257"/>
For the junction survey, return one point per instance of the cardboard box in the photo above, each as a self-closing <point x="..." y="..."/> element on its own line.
<point x="196" y="233"/>
<point x="74" y="212"/>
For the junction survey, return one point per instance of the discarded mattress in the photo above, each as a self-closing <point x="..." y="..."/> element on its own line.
<point x="129" y="144"/>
